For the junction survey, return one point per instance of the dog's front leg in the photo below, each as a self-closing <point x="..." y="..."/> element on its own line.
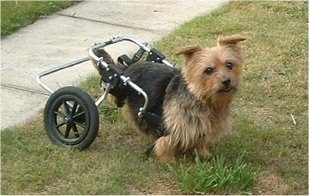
<point x="202" y="150"/>
<point x="164" y="150"/>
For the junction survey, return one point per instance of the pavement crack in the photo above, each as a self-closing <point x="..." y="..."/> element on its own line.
<point x="21" y="88"/>
<point x="109" y="23"/>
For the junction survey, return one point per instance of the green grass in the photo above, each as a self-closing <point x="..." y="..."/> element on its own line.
<point x="215" y="176"/>
<point x="17" y="14"/>
<point x="274" y="91"/>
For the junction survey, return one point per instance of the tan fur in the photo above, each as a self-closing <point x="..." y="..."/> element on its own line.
<point x="195" y="123"/>
<point x="164" y="150"/>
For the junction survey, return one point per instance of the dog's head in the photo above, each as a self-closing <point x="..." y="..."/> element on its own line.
<point x="213" y="74"/>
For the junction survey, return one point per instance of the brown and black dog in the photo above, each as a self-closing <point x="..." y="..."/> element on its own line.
<point x="192" y="103"/>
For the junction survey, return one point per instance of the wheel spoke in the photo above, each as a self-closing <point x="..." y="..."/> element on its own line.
<point x="59" y="114"/>
<point x="59" y="125"/>
<point x="79" y="114"/>
<point x="74" y="108"/>
<point x="66" y="107"/>
<point x="67" y="131"/>
<point x="81" y="125"/>
<point x="75" y="130"/>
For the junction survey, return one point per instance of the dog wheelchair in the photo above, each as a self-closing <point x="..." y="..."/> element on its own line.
<point x="71" y="116"/>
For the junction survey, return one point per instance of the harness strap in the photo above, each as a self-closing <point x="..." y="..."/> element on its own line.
<point x="124" y="59"/>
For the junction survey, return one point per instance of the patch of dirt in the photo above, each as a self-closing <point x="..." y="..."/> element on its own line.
<point x="158" y="188"/>
<point x="270" y="183"/>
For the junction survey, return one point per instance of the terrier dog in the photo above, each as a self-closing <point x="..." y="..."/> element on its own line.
<point x="192" y="103"/>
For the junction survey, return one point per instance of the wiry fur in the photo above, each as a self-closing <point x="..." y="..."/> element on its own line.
<point x="194" y="102"/>
<point x="196" y="110"/>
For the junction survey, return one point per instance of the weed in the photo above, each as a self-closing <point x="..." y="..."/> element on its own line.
<point x="216" y="176"/>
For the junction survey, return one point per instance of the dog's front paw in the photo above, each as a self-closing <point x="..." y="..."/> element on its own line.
<point x="163" y="150"/>
<point x="203" y="152"/>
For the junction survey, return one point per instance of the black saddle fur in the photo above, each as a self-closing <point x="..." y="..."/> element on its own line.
<point x="153" y="78"/>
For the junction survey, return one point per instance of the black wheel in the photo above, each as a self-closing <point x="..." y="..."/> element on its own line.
<point x="71" y="118"/>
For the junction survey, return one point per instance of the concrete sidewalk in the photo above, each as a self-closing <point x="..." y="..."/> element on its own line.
<point x="67" y="35"/>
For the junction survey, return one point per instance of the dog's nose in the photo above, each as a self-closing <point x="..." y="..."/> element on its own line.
<point x="226" y="82"/>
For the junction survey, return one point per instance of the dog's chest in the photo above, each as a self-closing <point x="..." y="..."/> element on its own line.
<point x="190" y="117"/>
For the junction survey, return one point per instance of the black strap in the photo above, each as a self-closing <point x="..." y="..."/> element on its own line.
<point x="124" y="59"/>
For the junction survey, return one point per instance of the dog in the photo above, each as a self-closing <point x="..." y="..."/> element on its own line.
<point x="190" y="106"/>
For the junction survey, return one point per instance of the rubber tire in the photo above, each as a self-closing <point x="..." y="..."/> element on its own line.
<point x="89" y="117"/>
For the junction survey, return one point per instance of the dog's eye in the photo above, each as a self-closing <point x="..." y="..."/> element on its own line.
<point x="209" y="70"/>
<point x="229" y="65"/>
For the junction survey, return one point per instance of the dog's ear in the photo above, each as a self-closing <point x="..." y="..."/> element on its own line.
<point x="230" y="40"/>
<point x="189" y="51"/>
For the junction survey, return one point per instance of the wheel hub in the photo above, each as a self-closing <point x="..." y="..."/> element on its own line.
<point x="67" y="120"/>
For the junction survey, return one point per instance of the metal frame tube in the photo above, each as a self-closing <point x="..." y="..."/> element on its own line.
<point x="127" y="80"/>
<point x="103" y="97"/>
<point x="55" y="69"/>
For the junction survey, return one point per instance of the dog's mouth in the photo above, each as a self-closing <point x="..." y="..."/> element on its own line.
<point x="227" y="90"/>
